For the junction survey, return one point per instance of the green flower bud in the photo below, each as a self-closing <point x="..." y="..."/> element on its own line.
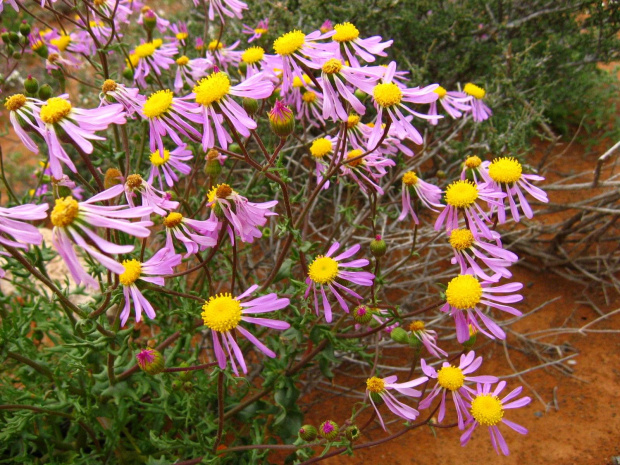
<point x="45" y="92"/>
<point x="473" y="335"/>
<point x="185" y="375"/>
<point x="234" y="148"/>
<point x="243" y="67"/>
<point x="213" y="167"/>
<point x="24" y="28"/>
<point x="329" y="430"/>
<point x="150" y="361"/>
<point x="188" y="385"/>
<point x="362" y="315"/>
<point x="176" y="384"/>
<point x="128" y="73"/>
<point x="5" y="37"/>
<point x="250" y="105"/>
<point x="352" y="433"/>
<point x="399" y="335"/>
<point x="14" y="37"/>
<point x="308" y="433"/>
<point x="281" y="120"/>
<point x="31" y="85"/>
<point x="378" y="247"/>
<point x="361" y="95"/>
<point x="16" y="55"/>
<point x="149" y="19"/>
<point x="42" y="51"/>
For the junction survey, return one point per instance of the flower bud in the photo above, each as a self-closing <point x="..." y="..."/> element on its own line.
<point x="360" y="94"/>
<point x="14" y="37"/>
<point x="473" y="335"/>
<point x="45" y="92"/>
<point x="281" y="120"/>
<point x="150" y="361"/>
<point x="352" y="433"/>
<point x="112" y="177"/>
<point x="441" y="174"/>
<point x="16" y="55"/>
<point x="31" y="85"/>
<point x="5" y="36"/>
<point x="149" y="20"/>
<point x="308" y="433"/>
<point x="399" y="335"/>
<point x="213" y="167"/>
<point x="329" y="430"/>
<point x="176" y="384"/>
<point x="234" y="147"/>
<point x="378" y="246"/>
<point x="42" y="51"/>
<point x="250" y="105"/>
<point x="128" y="73"/>
<point x="24" y="28"/>
<point x="362" y="315"/>
<point x="243" y="67"/>
<point x="185" y="375"/>
<point x="188" y="385"/>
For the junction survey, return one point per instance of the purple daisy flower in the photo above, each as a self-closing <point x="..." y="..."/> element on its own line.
<point x="452" y="379"/>
<point x="151" y="271"/>
<point x="321" y="148"/>
<point x="506" y="175"/>
<point x="157" y="200"/>
<point x="348" y="36"/>
<point x="170" y="162"/>
<point x="479" y="111"/>
<point x="487" y="409"/>
<point x="24" y="116"/>
<point x="454" y="103"/>
<point x="190" y="71"/>
<point x="325" y="271"/>
<point x="467" y="248"/>
<point x="310" y="111"/>
<point x="128" y="97"/>
<point x="366" y="171"/>
<point x="427" y="337"/>
<point x="182" y="227"/>
<point x="464" y="295"/>
<point x="213" y="97"/>
<point x="152" y="56"/>
<point x="223" y="313"/>
<point x="73" y="222"/>
<point x="180" y="33"/>
<point x="429" y="195"/>
<point x="472" y="167"/>
<point x="377" y="389"/>
<point x="258" y="31"/>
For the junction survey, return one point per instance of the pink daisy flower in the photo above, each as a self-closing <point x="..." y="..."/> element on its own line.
<point x="168" y="115"/>
<point x="461" y="197"/>
<point x="377" y="389"/>
<point x="452" y="379"/>
<point x="224" y="56"/>
<point x="152" y="56"/>
<point x="479" y="111"/>
<point x="24" y="116"/>
<point x="253" y="59"/>
<point x="388" y="98"/>
<point x="157" y="200"/>
<point x="321" y="148"/>
<point x="73" y="222"/>
<point x="465" y="294"/>
<point x="128" y="97"/>
<point x="366" y="171"/>
<point x="487" y="409"/>
<point x="119" y="10"/>
<point x="77" y="124"/>
<point x="230" y="8"/>
<point x="505" y="174"/>
<point x="151" y="271"/>
<point x="172" y="161"/>
<point x="472" y="169"/>
<point x="427" y="337"/>
<point x="326" y="272"/>
<point x="258" y="31"/>
<point x="180" y="33"/>
<point x="348" y="37"/>
<point x="311" y="104"/>
<point x="244" y="217"/>
<point x="190" y="71"/>
<point x="213" y="95"/>
<point x="296" y="47"/>
<point x="454" y="103"/>
<point x="181" y="227"/>
<point x="223" y="313"/>
<point x="429" y="195"/>
<point x="467" y="248"/>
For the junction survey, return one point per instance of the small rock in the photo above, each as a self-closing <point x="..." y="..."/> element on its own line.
<point x="539" y="414"/>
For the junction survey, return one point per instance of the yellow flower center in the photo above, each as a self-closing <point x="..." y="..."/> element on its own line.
<point x="181" y="35"/>
<point x="158" y="103"/>
<point x="461" y="194"/>
<point x="173" y="219"/>
<point x="37" y="44"/>
<point x="133" y="60"/>
<point x="134" y="180"/>
<point x="487" y="409"/>
<point x="157" y="43"/>
<point x="309" y="97"/>
<point x="145" y="50"/>
<point x="473" y="162"/>
<point x="220" y="191"/>
<point x="215" y="45"/>
<point x="55" y="110"/>
<point x="15" y="102"/>
<point x="320" y="147"/>
<point x="354" y="154"/>
<point x="375" y="384"/>
<point x="450" y="378"/>
<point x="410" y="178"/>
<point x="65" y="211"/>
<point x="505" y="170"/>
<point x="464" y="292"/>
<point x="61" y="43"/>
<point x="474" y="91"/>
<point x="289" y="43"/>
<point x="260" y="30"/>
<point x="417" y="325"/>
<point x="441" y="92"/>
<point x="301" y="83"/>
<point x="182" y="61"/>
<point x="133" y="268"/>
<point x="332" y="66"/>
<point x="345" y="32"/>
<point x="387" y="94"/>
<point x="221" y="313"/>
<point x="253" y="55"/>
<point x="461" y="239"/>
<point x="212" y="89"/>
<point x="157" y="160"/>
<point x="108" y="86"/>
<point x="323" y="270"/>
<point x="352" y="121"/>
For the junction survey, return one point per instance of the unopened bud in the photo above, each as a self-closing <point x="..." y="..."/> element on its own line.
<point x="188" y="385"/>
<point x="150" y="361"/>
<point x="243" y="67"/>
<point x="14" y="37"/>
<point x="399" y="335"/>
<point x="45" y="92"/>
<point x="149" y="20"/>
<point x="42" y="51"/>
<point x="352" y="433"/>
<point x="5" y="36"/>
<point x="281" y="120"/>
<point x="24" y="28"/>
<point x="441" y="174"/>
<point x="112" y="177"/>
<point x="361" y="95"/>
<point x="378" y="246"/>
<point x="31" y="85"/>
<point x="362" y="315"/>
<point x="473" y="335"/>
<point x="308" y="433"/>
<point x="128" y="73"/>
<point x="234" y="148"/>
<point x="329" y="430"/>
<point x="250" y="105"/>
<point x="213" y="167"/>
<point x="185" y="375"/>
